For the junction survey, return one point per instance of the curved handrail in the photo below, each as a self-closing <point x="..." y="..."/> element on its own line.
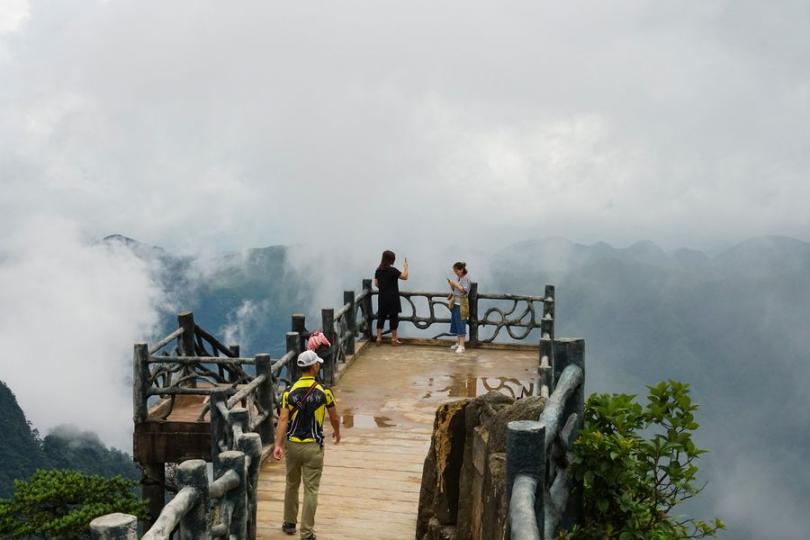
<point x="545" y="450"/>
<point x="522" y="517"/>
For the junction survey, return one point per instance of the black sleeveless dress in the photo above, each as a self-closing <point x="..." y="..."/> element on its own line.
<point x="388" y="283"/>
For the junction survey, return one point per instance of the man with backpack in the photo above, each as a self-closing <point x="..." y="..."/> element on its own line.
<point x="300" y="425"/>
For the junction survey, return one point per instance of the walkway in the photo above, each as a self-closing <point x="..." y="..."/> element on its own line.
<point x="388" y="399"/>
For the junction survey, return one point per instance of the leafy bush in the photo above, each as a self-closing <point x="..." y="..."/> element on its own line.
<point x="637" y="464"/>
<point x="60" y="504"/>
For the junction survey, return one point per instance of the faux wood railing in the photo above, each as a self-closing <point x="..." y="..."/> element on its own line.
<point x="191" y="368"/>
<point x="243" y="407"/>
<point x="542" y="494"/>
<point x="203" y="510"/>
<point x="517" y="315"/>
<point x="242" y="410"/>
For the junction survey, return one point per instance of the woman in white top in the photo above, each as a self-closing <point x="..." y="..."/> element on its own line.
<point x="459" y="305"/>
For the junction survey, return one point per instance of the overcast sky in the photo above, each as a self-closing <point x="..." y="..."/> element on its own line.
<point x="230" y="125"/>
<point x="214" y="126"/>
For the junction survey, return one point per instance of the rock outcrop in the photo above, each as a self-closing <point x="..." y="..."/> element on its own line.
<point x="463" y="494"/>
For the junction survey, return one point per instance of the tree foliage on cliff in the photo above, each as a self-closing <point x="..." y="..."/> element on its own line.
<point x="60" y="504"/>
<point x="23" y="451"/>
<point x="637" y="464"/>
<point x="66" y="447"/>
<point x="20" y="452"/>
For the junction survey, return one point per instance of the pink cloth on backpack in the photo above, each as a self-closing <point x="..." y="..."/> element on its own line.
<point x="317" y="339"/>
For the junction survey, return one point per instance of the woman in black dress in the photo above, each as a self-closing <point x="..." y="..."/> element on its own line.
<point x="386" y="279"/>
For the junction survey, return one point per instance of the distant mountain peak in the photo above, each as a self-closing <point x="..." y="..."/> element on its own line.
<point x="139" y="248"/>
<point x="120" y="238"/>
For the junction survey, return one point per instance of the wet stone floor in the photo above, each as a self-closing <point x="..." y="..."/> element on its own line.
<point x="387" y="400"/>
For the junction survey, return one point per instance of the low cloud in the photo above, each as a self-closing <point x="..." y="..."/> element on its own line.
<point x="756" y="496"/>
<point x="406" y="123"/>
<point x="71" y="310"/>
<point x="242" y="322"/>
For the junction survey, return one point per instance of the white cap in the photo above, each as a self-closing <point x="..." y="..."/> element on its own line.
<point x="308" y="358"/>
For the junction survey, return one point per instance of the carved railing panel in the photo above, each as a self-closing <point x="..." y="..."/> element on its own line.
<point x="518" y="316"/>
<point x="499" y="317"/>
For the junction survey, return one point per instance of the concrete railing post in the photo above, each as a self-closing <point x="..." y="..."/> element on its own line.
<point x="153" y="482"/>
<point x="140" y="382"/>
<point x="186" y="321"/>
<point x="294" y="346"/>
<point x="367" y="309"/>
<point x="473" y="301"/>
<point x="114" y="527"/>
<point x="265" y="397"/>
<point x="194" y="524"/>
<point x="251" y="445"/>
<point x="328" y="320"/>
<point x="219" y="425"/>
<point x="547" y="344"/>
<point x="570" y="351"/>
<point x="526" y="455"/>
<point x="299" y="327"/>
<point x="233" y="460"/>
<point x="351" y="319"/>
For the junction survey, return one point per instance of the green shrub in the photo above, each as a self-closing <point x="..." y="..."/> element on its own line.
<point x="637" y="464"/>
<point x="60" y="504"/>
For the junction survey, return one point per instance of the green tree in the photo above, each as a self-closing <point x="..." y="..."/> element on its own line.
<point x="21" y="452"/>
<point x="637" y="464"/>
<point x="60" y="504"/>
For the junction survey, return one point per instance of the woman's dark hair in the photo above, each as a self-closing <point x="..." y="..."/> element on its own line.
<point x="461" y="266"/>
<point x="388" y="258"/>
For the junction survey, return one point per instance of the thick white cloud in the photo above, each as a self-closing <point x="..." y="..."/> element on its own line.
<point x="13" y="13"/>
<point x="70" y="313"/>
<point x="190" y="123"/>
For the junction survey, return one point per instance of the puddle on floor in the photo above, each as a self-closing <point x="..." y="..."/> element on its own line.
<point x="350" y="420"/>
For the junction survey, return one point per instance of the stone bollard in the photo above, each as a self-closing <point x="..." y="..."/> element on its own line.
<point x="114" y="527"/>
<point x="251" y="445"/>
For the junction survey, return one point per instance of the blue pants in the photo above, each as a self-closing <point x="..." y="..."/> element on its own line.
<point x="457" y="326"/>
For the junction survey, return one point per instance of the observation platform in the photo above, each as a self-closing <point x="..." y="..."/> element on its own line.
<point x="387" y="401"/>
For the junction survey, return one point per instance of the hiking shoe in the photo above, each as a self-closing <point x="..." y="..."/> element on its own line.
<point x="288" y="528"/>
<point x="460" y="350"/>
<point x="454" y="346"/>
